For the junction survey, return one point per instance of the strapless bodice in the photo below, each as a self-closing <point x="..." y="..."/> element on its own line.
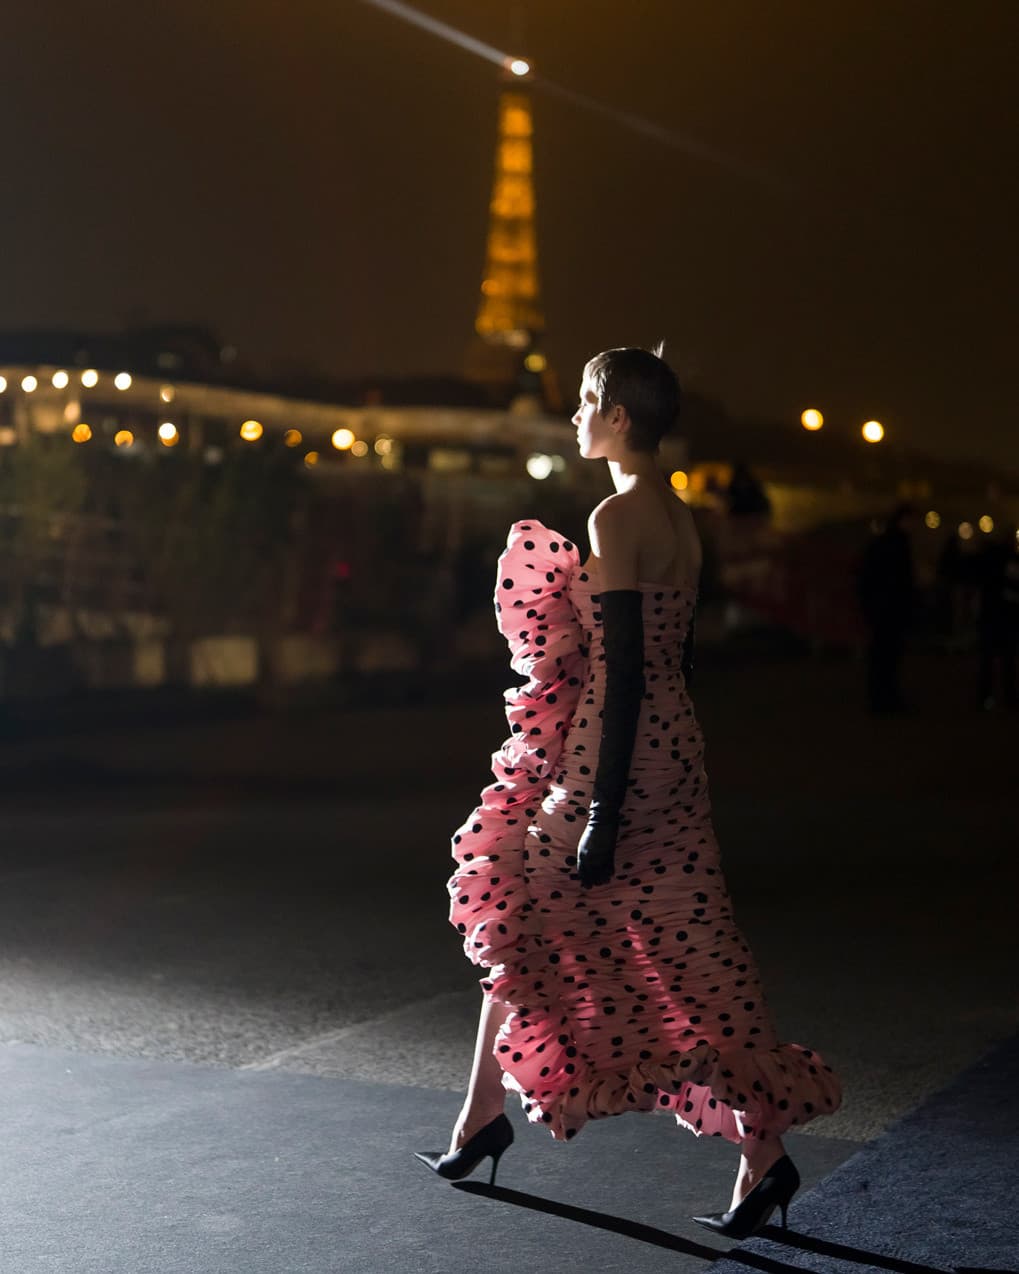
<point x="666" y="609"/>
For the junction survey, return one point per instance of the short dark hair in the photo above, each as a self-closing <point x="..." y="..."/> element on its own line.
<point x="643" y="383"/>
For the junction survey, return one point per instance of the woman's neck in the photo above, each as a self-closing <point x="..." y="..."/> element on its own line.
<point x="632" y="467"/>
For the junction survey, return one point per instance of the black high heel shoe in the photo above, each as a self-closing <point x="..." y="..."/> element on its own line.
<point x="775" y="1190"/>
<point x="493" y="1139"/>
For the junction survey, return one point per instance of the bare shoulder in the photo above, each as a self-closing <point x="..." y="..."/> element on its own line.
<point x="614" y="541"/>
<point x="612" y="521"/>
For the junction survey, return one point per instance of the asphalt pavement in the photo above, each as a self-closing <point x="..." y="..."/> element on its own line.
<point x="267" y="890"/>
<point x="263" y="893"/>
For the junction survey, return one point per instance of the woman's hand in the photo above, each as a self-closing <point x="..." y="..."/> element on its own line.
<point x="596" y="853"/>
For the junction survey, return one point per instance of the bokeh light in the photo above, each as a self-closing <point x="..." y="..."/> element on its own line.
<point x="343" y="439"/>
<point x="29" y="384"/>
<point x="311" y="459"/>
<point x="3" y="384"/>
<point x="539" y="466"/>
<point x="90" y="378"/>
<point x="965" y="530"/>
<point x="535" y="362"/>
<point x="812" y="419"/>
<point x="519" y="66"/>
<point x="251" y="430"/>
<point x="360" y="449"/>
<point x="986" y="524"/>
<point x="123" y="438"/>
<point x="383" y="445"/>
<point x="168" y="434"/>
<point x="873" y="431"/>
<point x="122" y="380"/>
<point x="293" y="438"/>
<point x="167" y="393"/>
<point x="81" y="432"/>
<point x="680" y="480"/>
<point x="59" y="380"/>
<point x="932" y="520"/>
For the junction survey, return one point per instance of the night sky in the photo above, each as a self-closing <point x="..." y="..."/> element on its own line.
<point x="312" y="179"/>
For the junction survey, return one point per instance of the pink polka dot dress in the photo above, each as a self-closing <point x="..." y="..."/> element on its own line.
<point x="640" y="994"/>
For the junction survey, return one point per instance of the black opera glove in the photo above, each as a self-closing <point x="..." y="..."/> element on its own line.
<point x="623" y="628"/>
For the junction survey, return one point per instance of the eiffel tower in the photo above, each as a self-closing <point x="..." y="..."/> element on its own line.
<point x="506" y="353"/>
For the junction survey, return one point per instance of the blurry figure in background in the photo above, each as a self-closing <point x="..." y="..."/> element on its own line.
<point x="747" y="547"/>
<point x="714" y="496"/>
<point x="332" y="614"/>
<point x="950" y="579"/>
<point x="432" y="616"/>
<point x="745" y="494"/>
<point x="997" y="575"/>
<point x="474" y="577"/>
<point x="885" y="586"/>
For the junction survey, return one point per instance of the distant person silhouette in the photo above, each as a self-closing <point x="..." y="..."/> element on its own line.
<point x="745" y="494"/>
<point x="997" y="576"/>
<point x="885" y="586"/>
<point x="949" y="583"/>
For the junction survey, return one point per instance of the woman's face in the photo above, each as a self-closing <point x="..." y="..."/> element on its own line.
<point x="594" y="433"/>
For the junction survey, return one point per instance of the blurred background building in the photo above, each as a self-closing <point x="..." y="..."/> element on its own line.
<point x="173" y="515"/>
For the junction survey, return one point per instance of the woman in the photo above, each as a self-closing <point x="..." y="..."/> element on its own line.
<point x="588" y="881"/>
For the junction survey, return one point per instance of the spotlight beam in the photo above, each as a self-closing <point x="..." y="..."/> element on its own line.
<point x="635" y="123"/>
<point x="442" y="29"/>
<point x="658" y="133"/>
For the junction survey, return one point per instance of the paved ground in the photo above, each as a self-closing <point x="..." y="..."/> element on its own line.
<point x="267" y="892"/>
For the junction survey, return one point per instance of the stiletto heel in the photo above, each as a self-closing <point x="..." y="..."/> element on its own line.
<point x="494" y="1140"/>
<point x="775" y="1190"/>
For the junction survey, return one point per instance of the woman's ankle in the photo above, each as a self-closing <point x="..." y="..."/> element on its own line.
<point x="474" y="1117"/>
<point x="758" y="1156"/>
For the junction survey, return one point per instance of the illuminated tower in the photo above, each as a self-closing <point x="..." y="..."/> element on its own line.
<point x="505" y="353"/>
